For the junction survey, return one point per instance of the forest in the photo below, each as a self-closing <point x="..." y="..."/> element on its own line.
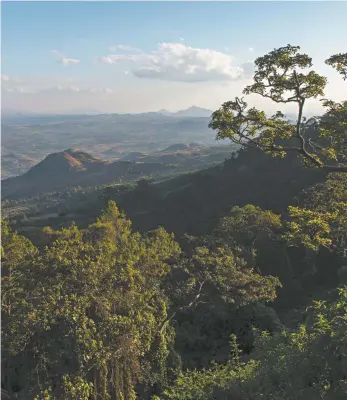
<point x="232" y="286"/>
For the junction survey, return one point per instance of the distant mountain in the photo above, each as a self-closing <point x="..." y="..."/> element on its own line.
<point x="191" y="112"/>
<point x="181" y="147"/>
<point x="33" y="137"/>
<point x="196" y="112"/>
<point x="165" y="112"/>
<point x="176" y="147"/>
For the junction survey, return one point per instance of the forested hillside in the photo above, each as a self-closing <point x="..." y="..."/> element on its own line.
<point x="226" y="283"/>
<point x="72" y="168"/>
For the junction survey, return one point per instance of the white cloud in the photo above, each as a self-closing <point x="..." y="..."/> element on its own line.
<point x="9" y="79"/>
<point x="102" y="90"/>
<point x="179" y="62"/>
<point x="142" y="96"/>
<point x="65" y="60"/>
<point x="123" y="47"/>
<point x="251" y="49"/>
<point x="10" y="84"/>
<point x="116" y="58"/>
<point x="16" y="89"/>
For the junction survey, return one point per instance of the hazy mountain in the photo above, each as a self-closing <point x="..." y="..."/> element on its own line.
<point x="105" y="136"/>
<point x="191" y="112"/>
<point x="194" y="111"/>
<point x="165" y="112"/>
<point x="181" y="147"/>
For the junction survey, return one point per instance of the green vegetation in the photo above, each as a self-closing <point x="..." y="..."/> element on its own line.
<point x="281" y="77"/>
<point x="224" y="283"/>
<point x="308" y="363"/>
<point x="73" y="168"/>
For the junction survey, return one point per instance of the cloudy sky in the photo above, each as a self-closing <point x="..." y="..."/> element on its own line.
<point x="138" y="57"/>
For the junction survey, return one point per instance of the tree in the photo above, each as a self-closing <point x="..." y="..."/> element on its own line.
<point x="225" y="272"/>
<point x="210" y="286"/>
<point x="320" y="219"/>
<point x="306" y="363"/>
<point x="281" y="77"/>
<point x="91" y="313"/>
<point x="143" y="184"/>
<point x="88" y="308"/>
<point x="16" y="254"/>
<point x="247" y="225"/>
<point x="339" y="62"/>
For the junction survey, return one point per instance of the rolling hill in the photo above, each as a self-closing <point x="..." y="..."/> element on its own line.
<point x="26" y="140"/>
<point x="71" y="168"/>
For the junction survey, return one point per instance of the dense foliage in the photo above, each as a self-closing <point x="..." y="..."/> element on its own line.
<point x="91" y="312"/>
<point x="308" y="363"/>
<point x="249" y="304"/>
<point x="283" y="77"/>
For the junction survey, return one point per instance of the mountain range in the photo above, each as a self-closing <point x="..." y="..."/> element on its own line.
<point x="193" y="112"/>
<point x="27" y="139"/>
<point x="72" y="167"/>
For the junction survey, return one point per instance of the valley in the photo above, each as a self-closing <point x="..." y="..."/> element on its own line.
<point x="74" y="168"/>
<point x="27" y="140"/>
<point x="187" y="253"/>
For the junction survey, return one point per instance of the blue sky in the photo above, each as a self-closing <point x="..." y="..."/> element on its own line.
<point x="152" y="55"/>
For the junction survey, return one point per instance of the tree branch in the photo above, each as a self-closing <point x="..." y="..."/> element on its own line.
<point x="183" y="308"/>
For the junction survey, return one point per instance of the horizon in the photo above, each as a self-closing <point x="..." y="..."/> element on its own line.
<point x="71" y="113"/>
<point x="132" y="58"/>
<point x="96" y="112"/>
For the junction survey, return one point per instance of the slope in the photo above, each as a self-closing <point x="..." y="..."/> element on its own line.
<point x="59" y="171"/>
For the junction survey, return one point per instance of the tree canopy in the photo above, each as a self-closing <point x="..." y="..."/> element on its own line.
<point x="101" y="310"/>
<point x="284" y="76"/>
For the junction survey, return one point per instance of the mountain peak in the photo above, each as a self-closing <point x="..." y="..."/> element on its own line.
<point x="194" y="111"/>
<point x="65" y="161"/>
<point x="164" y="112"/>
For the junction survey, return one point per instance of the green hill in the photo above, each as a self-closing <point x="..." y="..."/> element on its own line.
<point x="71" y="168"/>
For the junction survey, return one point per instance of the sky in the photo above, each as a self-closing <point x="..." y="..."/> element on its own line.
<point x="144" y="56"/>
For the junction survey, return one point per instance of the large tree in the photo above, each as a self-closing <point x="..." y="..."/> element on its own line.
<point x="306" y="363"/>
<point x="90" y="315"/>
<point x="284" y="76"/>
